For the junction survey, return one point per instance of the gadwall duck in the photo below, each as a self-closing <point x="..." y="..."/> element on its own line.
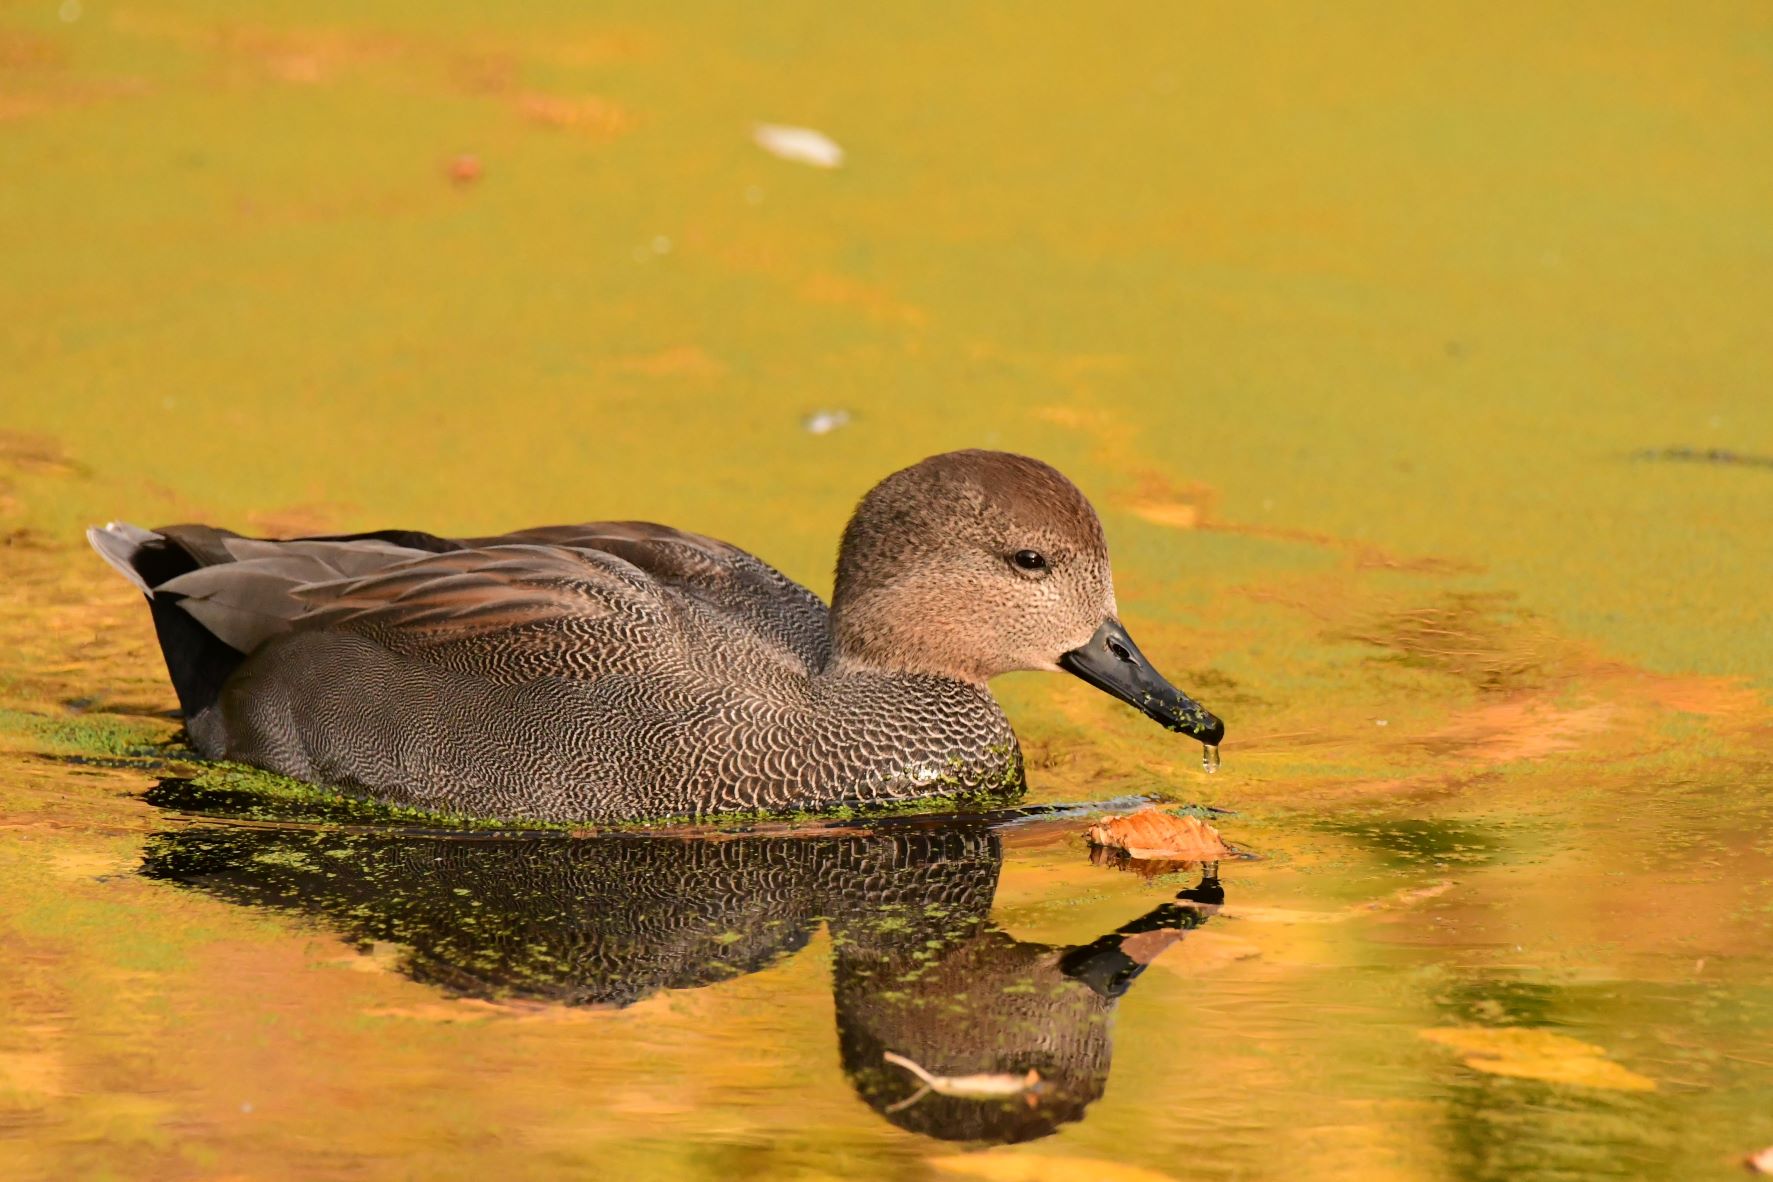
<point x="623" y="671"/>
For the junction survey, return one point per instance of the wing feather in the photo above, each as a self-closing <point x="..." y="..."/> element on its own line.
<point x="720" y="579"/>
<point x="573" y="601"/>
<point x="464" y="594"/>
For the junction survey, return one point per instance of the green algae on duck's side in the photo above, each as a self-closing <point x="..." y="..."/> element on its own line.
<point x="235" y="791"/>
<point x="224" y="789"/>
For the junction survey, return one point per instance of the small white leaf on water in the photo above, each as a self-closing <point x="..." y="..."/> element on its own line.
<point x="802" y="145"/>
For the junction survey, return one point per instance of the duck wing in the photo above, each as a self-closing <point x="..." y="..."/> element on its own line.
<point x="245" y="590"/>
<point x="717" y="577"/>
<point x="576" y="601"/>
<point x="240" y="590"/>
<point x="519" y="611"/>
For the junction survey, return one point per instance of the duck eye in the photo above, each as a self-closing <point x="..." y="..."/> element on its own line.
<point x="1030" y="560"/>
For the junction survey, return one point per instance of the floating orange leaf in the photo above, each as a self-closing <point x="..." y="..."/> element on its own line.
<point x="1153" y="833"/>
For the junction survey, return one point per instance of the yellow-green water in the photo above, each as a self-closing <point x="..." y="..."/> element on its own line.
<point x="1353" y="320"/>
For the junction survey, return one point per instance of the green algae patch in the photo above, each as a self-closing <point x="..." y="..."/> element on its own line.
<point x="238" y="792"/>
<point x="95" y="736"/>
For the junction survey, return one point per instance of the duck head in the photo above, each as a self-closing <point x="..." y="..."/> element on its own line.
<point x="976" y="563"/>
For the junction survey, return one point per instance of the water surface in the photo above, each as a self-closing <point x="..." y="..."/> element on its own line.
<point x="1414" y="356"/>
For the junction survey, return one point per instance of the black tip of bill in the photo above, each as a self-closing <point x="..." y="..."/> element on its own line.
<point x="1113" y="664"/>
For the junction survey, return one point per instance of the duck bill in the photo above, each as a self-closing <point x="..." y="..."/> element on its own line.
<point x="1113" y="663"/>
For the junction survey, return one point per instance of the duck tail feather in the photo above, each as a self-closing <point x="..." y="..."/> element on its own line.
<point x="198" y="661"/>
<point x="119" y="543"/>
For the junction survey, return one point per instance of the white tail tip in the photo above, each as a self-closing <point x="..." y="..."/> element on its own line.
<point x="116" y="543"/>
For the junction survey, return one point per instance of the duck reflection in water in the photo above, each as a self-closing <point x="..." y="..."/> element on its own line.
<point x="946" y="1025"/>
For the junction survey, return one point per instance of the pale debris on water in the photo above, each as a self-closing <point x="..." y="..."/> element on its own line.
<point x="824" y="422"/>
<point x="992" y="1086"/>
<point x="802" y="145"/>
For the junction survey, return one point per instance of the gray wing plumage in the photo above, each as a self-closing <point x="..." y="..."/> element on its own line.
<point x="255" y="592"/>
<point x="549" y="590"/>
<point x="716" y="576"/>
<point x="578" y="602"/>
